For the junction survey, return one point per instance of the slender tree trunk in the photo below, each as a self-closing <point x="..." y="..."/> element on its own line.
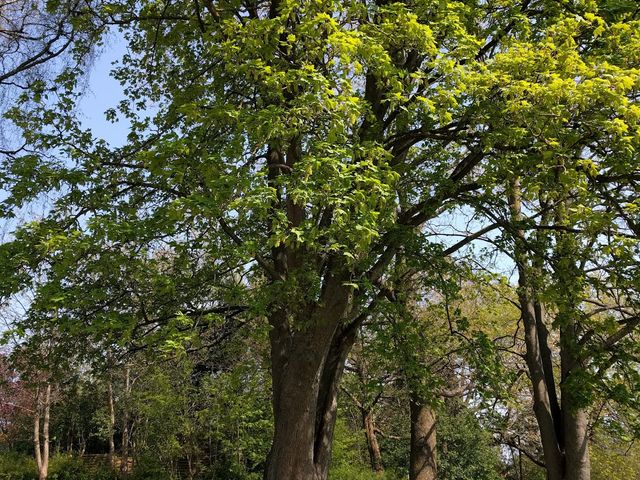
<point x="307" y="364"/>
<point x="41" y="448"/>
<point x="563" y="425"/>
<point x="112" y="424"/>
<point x="366" y="414"/>
<point x="45" y="431"/>
<point x="124" y="465"/>
<point x="82" y="447"/>
<point x="372" y="442"/>
<point x="541" y="400"/>
<point x="423" y="460"/>
<point x="70" y="440"/>
<point x="574" y="417"/>
<point x="36" y="432"/>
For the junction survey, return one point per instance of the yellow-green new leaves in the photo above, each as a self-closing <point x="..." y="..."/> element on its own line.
<point x="305" y="136"/>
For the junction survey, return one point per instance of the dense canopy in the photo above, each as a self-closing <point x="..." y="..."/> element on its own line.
<point x="442" y="195"/>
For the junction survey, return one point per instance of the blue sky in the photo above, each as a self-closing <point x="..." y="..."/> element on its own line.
<point x="104" y="92"/>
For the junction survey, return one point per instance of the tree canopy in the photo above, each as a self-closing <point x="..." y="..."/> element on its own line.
<point x="290" y="165"/>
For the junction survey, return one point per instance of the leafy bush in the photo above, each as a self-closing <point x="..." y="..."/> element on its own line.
<point x="68" y="467"/>
<point x="17" y="466"/>
<point x="350" y="456"/>
<point x="148" y="468"/>
<point x="465" y="450"/>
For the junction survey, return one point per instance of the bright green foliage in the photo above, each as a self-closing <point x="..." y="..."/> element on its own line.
<point x="613" y="459"/>
<point x="350" y="460"/>
<point x="227" y="90"/>
<point x="277" y="146"/>
<point x="466" y="451"/>
<point x="15" y="466"/>
<point x="239" y="421"/>
<point x="212" y="412"/>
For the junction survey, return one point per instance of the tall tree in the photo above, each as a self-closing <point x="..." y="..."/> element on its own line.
<point x="302" y="144"/>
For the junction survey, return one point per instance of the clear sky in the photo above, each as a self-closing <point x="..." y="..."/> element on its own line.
<point x="104" y="92"/>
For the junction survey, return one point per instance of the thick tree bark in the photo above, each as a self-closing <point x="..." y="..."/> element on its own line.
<point x="308" y="353"/>
<point x="574" y="417"/>
<point x="423" y="459"/>
<point x="578" y="465"/>
<point x="373" y="446"/>
<point x="296" y="377"/>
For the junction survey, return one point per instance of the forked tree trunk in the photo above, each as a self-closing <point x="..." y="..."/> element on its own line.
<point x="423" y="459"/>
<point x="542" y="398"/>
<point x="308" y="354"/>
<point x="372" y="442"/>
<point x="542" y="408"/>
<point x="563" y="430"/>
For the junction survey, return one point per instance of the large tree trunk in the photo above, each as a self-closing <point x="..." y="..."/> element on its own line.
<point x="575" y="420"/>
<point x="296" y="377"/>
<point x="578" y="465"/>
<point x="308" y="354"/>
<point x="372" y="442"/>
<point x="423" y="460"/>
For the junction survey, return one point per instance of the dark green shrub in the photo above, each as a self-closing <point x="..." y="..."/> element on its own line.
<point x="148" y="468"/>
<point x="17" y="466"/>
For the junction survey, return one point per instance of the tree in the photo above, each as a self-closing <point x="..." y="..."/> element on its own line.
<point x="301" y="144"/>
<point x="39" y="41"/>
<point x="560" y="277"/>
